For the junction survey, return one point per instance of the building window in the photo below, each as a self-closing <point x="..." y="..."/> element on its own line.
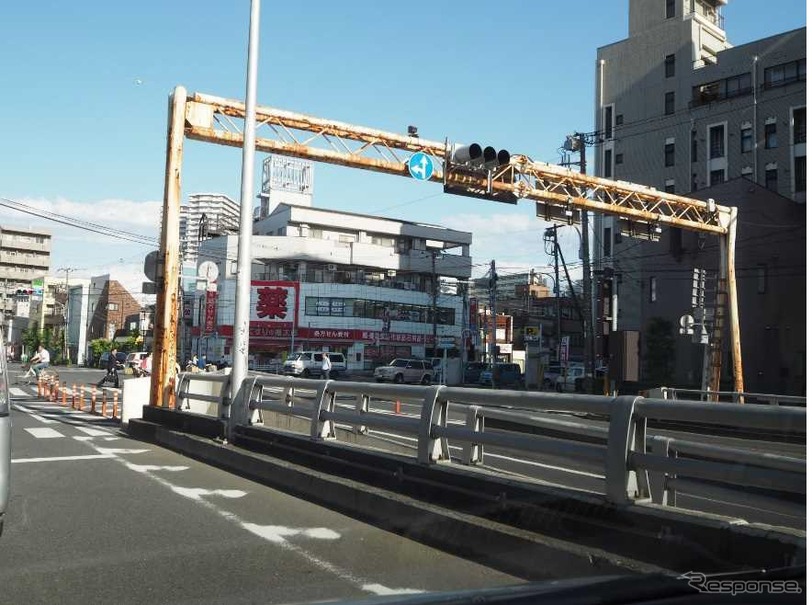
<point x="717" y="177"/>
<point x="607" y="241"/>
<point x="670" y="9"/>
<point x="669" y="103"/>
<point x="607" y="163"/>
<point x="800" y="174"/>
<point x="619" y="120"/>
<point x="717" y="141"/>
<point x="693" y="145"/>
<point x="747" y="139"/>
<point x="669" y="154"/>
<point x="762" y="278"/>
<point x="799" y="125"/>
<point x="718" y="90"/>
<point x="652" y="286"/>
<point x="618" y="158"/>
<point x="607" y="122"/>
<point x="112" y="306"/>
<point x="694" y="182"/>
<point x="786" y="73"/>
<point x="670" y="63"/>
<point x="771" y="135"/>
<point x="771" y="178"/>
<point x="669" y="187"/>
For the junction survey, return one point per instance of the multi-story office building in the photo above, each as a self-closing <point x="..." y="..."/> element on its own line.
<point x="25" y="255"/>
<point x="363" y="285"/>
<point x="206" y="215"/>
<point x="680" y="109"/>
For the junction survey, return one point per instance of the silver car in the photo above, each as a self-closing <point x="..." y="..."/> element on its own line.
<point x="405" y="370"/>
<point x="5" y="436"/>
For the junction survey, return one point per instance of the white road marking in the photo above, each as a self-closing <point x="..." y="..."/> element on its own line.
<point x="145" y="468"/>
<point x="32" y="413"/>
<point x="45" y="433"/>
<point x="17" y="392"/>
<point x="196" y="493"/>
<point x="117" y="451"/>
<point x="61" y="458"/>
<point x="93" y="432"/>
<point x="278" y="533"/>
<point x="382" y="591"/>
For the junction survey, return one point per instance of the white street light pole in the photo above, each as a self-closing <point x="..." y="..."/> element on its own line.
<point x="243" y="294"/>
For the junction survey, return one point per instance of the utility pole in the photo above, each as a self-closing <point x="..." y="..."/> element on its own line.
<point x="578" y="142"/>
<point x="434" y="302"/>
<point x="65" y="348"/>
<point x="492" y="292"/>
<point x="551" y="234"/>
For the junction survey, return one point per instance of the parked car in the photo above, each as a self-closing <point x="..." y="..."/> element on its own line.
<point x="472" y="370"/>
<point x="405" y="370"/>
<point x="553" y="371"/>
<point x="504" y="375"/>
<point x="121" y="357"/>
<point x="134" y="359"/>
<point x="308" y="364"/>
<point x="567" y="384"/>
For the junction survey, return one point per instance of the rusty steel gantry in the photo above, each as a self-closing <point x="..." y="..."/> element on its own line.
<point x="554" y="189"/>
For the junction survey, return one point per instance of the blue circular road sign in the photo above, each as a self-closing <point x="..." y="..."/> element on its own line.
<point x="421" y="166"/>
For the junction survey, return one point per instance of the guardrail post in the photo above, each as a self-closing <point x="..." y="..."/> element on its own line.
<point x="180" y="395"/>
<point x="473" y="453"/>
<point x="627" y="432"/>
<point x="362" y="407"/>
<point x="323" y="429"/>
<point x="661" y="493"/>
<point x="431" y="449"/>
<point x="254" y="401"/>
<point x="236" y="411"/>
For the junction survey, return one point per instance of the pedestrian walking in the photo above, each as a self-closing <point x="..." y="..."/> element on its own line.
<point x="326" y="366"/>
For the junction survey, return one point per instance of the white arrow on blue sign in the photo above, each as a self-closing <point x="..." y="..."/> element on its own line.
<point x="421" y="166"/>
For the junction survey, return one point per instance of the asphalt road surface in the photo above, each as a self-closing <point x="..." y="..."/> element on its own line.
<point x="96" y="517"/>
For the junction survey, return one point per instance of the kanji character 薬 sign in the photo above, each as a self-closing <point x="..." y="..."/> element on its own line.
<point x="272" y="302"/>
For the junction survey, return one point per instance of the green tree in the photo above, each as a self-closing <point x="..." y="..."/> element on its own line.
<point x="660" y="353"/>
<point x="97" y="347"/>
<point x="30" y="338"/>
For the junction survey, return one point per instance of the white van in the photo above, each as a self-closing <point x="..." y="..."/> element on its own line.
<point x="307" y="364"/>
<point x="5" y="435"/>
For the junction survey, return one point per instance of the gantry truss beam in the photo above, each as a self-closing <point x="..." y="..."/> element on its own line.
<point x="218" y="120"/>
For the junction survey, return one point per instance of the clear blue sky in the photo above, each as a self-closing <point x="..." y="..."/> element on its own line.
<point x="85" y="85"/>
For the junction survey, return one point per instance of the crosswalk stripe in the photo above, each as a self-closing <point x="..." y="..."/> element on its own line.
<point x="45" y="433"/>
<point x="93" y="432"/>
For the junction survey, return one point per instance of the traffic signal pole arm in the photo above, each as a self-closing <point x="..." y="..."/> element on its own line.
<point x="219" y="120"/>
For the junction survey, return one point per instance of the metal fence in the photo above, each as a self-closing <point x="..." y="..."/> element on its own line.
<point x="608" y="435"/>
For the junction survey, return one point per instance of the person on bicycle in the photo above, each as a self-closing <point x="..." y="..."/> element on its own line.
<point x="112" y="370"/>
<point x="40" y="360"/>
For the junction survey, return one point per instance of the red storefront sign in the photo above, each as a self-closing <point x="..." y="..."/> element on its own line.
<point x="210" y="313"/>
<point x="279" y="330"/>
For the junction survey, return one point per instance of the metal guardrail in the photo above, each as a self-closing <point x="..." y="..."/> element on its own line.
<point x="637" y="467"/>
<point x="185" y="395"/>
<point x="732" y="396"/>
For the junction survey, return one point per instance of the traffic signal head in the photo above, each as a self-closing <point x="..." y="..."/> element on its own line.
<point x="477" y="157"/>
